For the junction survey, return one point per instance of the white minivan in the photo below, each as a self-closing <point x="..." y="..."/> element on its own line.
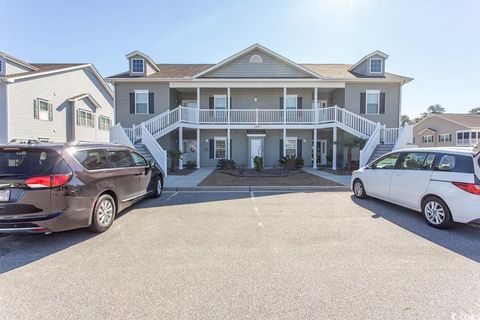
<point x="442" y="183"/>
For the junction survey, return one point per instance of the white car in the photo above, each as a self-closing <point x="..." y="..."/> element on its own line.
<point x="442" y="183"/>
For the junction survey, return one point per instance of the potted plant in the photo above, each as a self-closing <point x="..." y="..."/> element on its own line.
<point x="351" y="143"/>
<point x="175" y="155"/>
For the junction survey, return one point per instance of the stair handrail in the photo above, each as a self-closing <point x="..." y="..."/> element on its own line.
<point x="157" y="152"/>
<point x="370" y="146"/>
<point x="368" y="124"/>
<point x="118" y="135"/>
<point x="405" y="137"/>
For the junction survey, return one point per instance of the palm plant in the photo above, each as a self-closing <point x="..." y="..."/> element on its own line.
<point x="350" y="144"/>
<point x="175" y="155"/>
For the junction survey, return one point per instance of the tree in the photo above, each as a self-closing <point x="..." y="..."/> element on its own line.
<point x="405" y="119"/>
<point x="435" y="109"/>
<point x="174" y="156"/>
<point x="474" y="111"/>
<point x="351" y="143"/>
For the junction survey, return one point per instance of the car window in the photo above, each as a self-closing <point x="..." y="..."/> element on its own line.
<point x="27" y="162"/>
<point x="428" y="164"/>
<point x="414" y="161"/>
<point x="454" y="163"/>
<point x="138" y="160"/>
<point x="120" y="159"/>
<point x="387" y="162"/>
<point x="95" y="159"/>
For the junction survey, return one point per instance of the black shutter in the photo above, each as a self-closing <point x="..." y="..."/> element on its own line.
<point x="299" y="148"/>
<point x="132" y="103"/>
<point x="231" y="102"/>
<point x="211" y="144"/>
<point x="231" y="152"/>
<point x="299" y="102"/>
<point x="35" y="109"/>
<point x="382" y="103"/>
<point x="281" y="102"/>
<point x="363" y="101"/>
<point x="281" y="148"/>
<point x="211" y="103"/>
<point x="151" y="103"/>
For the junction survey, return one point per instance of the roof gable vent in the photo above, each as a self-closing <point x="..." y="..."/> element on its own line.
<point x="256" y="59"/>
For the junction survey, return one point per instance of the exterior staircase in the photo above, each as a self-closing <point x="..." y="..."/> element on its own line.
<point x="380" y="150"/>
<point x="144" y="151"/>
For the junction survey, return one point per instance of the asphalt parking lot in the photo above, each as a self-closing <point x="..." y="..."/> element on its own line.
<point x="243" y="255"/>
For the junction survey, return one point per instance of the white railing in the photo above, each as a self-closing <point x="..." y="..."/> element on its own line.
<point x="356" y="122"/>
<point x="370" y="146"/>
<point x="121" y="136"/>
<point x="213" y="116"/>
<point x="163" y="121"/>
<point x="389" y="136"/>
<point x="306" y="116"/>
<point x="155" y="149"/>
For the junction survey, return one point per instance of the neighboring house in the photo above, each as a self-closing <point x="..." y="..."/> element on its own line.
<point x="447" y="129"/>
<point x="257" y="102"/>
<point x="53" y="102"/>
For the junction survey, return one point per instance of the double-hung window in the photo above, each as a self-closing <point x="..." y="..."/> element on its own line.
<point x="427" y="139"/>
<point x="291" y="146"/>
<point x="138" y="66"/>
<point x="291" y="101"/>
<point x="220" y="147"/>
<point x="445" y="137"/>
<point x="104" y="123"/>
<point x="220" y="101"/>
<point x="376" y="65"/>
<point x="141" y="101"/>
<point x="85" y="119"/>
<point x="373" y="101"/>
<point x="43" y="110"/>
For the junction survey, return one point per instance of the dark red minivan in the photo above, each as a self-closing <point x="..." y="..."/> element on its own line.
<point x="55" y="187"/>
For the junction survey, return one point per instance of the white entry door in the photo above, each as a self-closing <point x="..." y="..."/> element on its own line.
<point x="189" y="150"/>
<point x="256" y="149"/>
<point x="323" y="152"/>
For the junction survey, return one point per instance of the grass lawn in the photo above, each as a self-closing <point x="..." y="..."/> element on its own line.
<point x="300" y="178"/>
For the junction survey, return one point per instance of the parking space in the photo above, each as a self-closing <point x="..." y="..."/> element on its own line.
<point x="257" y="255"/>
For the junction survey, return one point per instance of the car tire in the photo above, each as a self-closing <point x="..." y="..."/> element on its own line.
<point x="359" y="189"/>
<point x="436" y="213"/>
<point x="158" y="187"/>
<point x="103" y="214"/>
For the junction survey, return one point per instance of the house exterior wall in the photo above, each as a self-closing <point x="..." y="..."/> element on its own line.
<point x="122" y="101"/>
<point x="440" y="126"/>
<point x="3" y="113"/>
<point x="391" y="118"/>
<point x="13" y="68"/>
<point x="269" y="68"/>
<point x="57" y="89"/>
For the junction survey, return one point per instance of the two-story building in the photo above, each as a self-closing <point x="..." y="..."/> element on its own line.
<point x="53" y="102"/>
<point x="257" y="102"/>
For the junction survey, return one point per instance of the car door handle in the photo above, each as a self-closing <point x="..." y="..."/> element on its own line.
<point x="137" y="174"/>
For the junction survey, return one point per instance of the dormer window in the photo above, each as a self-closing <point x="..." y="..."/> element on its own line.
<point x="376" y="65"/>
<point x="138" y="66"/>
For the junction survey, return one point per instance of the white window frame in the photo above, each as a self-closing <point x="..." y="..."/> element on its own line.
<point x="428" y="140"/>
<point x="291" y="96"/>
<point x="141" y="92"/>
<point x="102" y="126"/>
<point x="47" y="113"/>
<point x="215" y="139"/>
<point x="370" y="65"/>
<point x="219" y="96"/>
<point x="442" y="136"/>
<point x="79" y="123"/>
<point x="295" y="139"/>
<point x="143" y="64"/>
<point x="377" y="92"/>
<point x="256" y="59"/>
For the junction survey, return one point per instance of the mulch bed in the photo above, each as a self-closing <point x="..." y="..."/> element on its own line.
<point x="298" y="178"/>
<point x="182" y="172"/>
<point x="264" y="173"/>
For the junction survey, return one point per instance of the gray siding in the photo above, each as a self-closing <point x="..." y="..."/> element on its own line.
<point x="364" y="67"/>
<point x="122" y="101"/>
<point x="57" y="89"/>
<point x="392" y="101"/>
<point x="148" y="69"/>
<point x="3" y="114"/>
<point x="269" y="68"/>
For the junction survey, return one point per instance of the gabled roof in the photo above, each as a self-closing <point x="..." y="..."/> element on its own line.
<point x="427" y="129"/>
<point x="259" y="47"/>
<point x="368" y="56"/>
<point x="463" y="119"/>
<point x="145" y="56"/>
<point x="85" y="96"/>
<point x="18" y="61"/>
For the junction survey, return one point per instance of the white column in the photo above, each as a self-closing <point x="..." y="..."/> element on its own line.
<point x="198" y="104"/>
<point x="315" y="99"/>
<point x="228" y="104"/>
<point x="284" y="141"/>
<point x="284" y="106"/>
<point x="198" y="148"/>
<point x="334" y="156"/>
<point x="315" y="148"/>
<point x="228" y="143"/>
<point x="180" y="146"/>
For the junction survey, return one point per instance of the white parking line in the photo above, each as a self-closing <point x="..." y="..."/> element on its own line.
<point x="170" y="197"/>
<point x="257" y="212"/>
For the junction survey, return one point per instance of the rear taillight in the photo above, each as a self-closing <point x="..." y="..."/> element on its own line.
<point x="469" y="187"/>
<point x="53" y="181"/>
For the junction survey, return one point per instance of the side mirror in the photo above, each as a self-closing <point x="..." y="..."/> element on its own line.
<point x="151" y="164"/>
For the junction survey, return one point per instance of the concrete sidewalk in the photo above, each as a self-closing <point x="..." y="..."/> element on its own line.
<point x="191" y="180"/>
<point x="344" y="180"/>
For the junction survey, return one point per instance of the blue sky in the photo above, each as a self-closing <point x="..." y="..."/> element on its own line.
<point x="435" y="42"/>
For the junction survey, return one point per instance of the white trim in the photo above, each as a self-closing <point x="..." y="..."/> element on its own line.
<point x="428" y="136"/>
<point x="104" y="117"/>
<point x="39" y="110"/>
<point x="145" y="56"/>
<point x="135" y="95"/>
<point x="18" y="61"/>
<point x="296" y="145"/>
<point x="220" y="96"/>
<point x="88" y="96"/>
<point x="131" y="66"/>
<point x="77" y="122"/>
<point x="445" y="135"/>
<point x="367" y="92"/>
<point x="370" y="66"/>
<point x="215" y="147"/>
<point x="256" y="135"/>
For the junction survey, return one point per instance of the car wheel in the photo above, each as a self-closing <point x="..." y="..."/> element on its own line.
<point x="359" y="189"/>
<point x="157" y="189"/>
<point x="436" y="213"/>
<point x="103" y="214"/>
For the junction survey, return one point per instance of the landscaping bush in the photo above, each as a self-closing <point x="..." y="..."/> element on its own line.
<point x="241" y="169"/>
<point x="258" y="163"/>
<point x="191" y="164"/>
<point x="226" y="164"/>
<point x="291" y="162"/>
<point x="174" y="155"/>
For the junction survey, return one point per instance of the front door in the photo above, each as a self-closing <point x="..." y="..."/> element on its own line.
<point x="322" y="152"/>
<point x="256" y="149"/>
<point x="189" y="150"/>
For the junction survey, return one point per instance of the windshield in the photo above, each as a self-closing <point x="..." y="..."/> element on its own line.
<point x="21" y="163"/>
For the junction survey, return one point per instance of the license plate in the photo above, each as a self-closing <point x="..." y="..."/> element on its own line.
<point x="4" y="195"/>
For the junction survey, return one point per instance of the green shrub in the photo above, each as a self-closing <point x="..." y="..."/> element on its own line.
<point x="226" y="164"/>
<point x="258" y="163"/>
<point x="191" y="164"/>
<point x="241" y="168"/>
<point x="291" y="162"/>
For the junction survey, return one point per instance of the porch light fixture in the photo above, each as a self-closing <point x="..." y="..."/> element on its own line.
<point x="255" y="99"/>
